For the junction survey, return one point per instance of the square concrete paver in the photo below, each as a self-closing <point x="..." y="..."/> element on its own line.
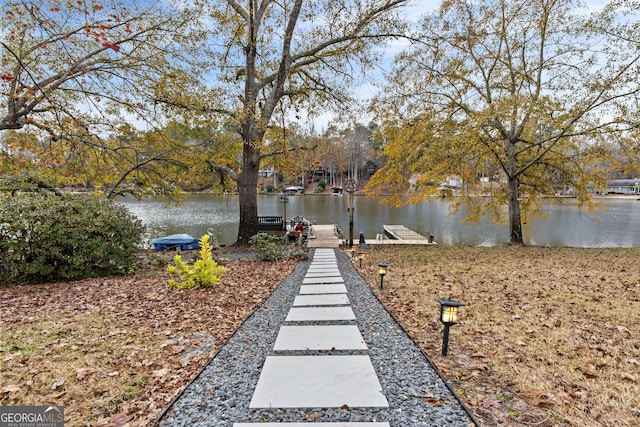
<point x="324" y="256"/>
<point x="312" y="314"/>
<point x="323" y="274"/>
<point x="324" y="337"/>
<point x="343" y="424"/>
<point x="334" y="288"/>
<point x="328" y="299"/>
<point x="319" y="280"/>
<point x="318" y="382"/>
<point x="329" y="269"/>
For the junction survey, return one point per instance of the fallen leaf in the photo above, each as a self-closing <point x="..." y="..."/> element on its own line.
<point x="600" y="420"/>
<point x="160" y="372"/>
<point x="434" y="401"/>
<point x="313" y="416"/>
<point x="82" y="373"/>
<point x="11" y="388"/>
<point x="56" y="385"/>
<point x="492" y="404"/>
<point x="120" y="420"/>
<point x="629" y="377"/>
<point x="589" y="371"/>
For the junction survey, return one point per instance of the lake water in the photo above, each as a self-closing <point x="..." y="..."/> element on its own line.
<point x="615" y="225"/>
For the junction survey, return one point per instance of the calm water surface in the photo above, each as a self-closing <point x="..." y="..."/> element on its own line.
<point x="615" y="225"/>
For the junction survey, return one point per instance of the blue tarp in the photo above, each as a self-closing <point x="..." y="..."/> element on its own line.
<point x="182" y="241"/>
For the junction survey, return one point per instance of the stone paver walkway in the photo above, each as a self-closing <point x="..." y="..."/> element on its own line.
<point x="315" y="353"/>
<point x="331" y="381"/>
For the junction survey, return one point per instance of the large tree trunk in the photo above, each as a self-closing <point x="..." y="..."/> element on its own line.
<point x="515" y="221"/>
<point x="248" y="194"/>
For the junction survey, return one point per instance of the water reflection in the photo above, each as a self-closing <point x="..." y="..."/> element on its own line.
<point x="615" y="225"/>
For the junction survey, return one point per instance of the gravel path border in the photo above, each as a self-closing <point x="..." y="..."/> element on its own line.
<point x="417" y="394"/>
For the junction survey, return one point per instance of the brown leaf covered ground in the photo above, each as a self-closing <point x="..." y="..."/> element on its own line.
<point x="548" y="337"/>
<point x="118" y="350"/>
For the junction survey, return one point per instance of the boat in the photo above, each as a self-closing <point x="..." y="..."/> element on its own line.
<point x="183" y="242"/>
<point x="295" y="190"/>
<point x="306" y="232"/>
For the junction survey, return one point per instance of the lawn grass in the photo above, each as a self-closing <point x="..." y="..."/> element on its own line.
<point x="548" y="336"/>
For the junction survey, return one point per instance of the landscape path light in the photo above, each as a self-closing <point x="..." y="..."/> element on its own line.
<point x="382" y="270"/>
<point x="360" y="257"/>
<point x="448" y="317"/>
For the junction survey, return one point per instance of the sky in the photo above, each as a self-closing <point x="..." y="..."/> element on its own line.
<point x="412" y="13"/>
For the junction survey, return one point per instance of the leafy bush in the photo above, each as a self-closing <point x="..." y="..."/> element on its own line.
<point x="322" y="184"/>
<point x="205" y="272"/>
<point x="268" y="247"/>
<point x="45" y="238"/>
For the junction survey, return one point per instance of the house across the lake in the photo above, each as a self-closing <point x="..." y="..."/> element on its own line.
<point x="629" y="187"/>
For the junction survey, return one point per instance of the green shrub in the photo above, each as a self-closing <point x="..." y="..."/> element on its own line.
<point x="322" y="184"/>
<point x="268" y="247"/>
<point x="205" y="272"/>
<point x="46" y="238"/>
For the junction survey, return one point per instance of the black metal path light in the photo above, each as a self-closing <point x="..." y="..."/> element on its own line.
<point x="449" y="317"/>
<point x="382" y="270"/>
<point x="360" y="258"/>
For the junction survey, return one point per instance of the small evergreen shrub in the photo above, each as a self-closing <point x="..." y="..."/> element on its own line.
<point x="268" y="247"/>
<point x="322" y="184"/>
<point x="47" y="238"/>
<point x="203" y="273"/>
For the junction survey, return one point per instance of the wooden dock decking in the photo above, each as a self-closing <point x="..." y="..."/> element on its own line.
<point x="401" y="235"/>
<point x="400" y="232"/>
<point x="324" y="236"/>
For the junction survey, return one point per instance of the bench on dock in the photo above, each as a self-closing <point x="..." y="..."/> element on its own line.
<point x="270" y="223"/>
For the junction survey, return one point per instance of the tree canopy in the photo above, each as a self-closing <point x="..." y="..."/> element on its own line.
<point x="72" y="74"/>
<point x="69" y="67"/>
<point x="268" y="59"/>
<point x="515" y="97"/>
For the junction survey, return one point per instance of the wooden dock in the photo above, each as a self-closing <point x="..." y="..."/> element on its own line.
<point x="324" y="236"/>
<point x="401" y="235"/>
<point x="400" y="232"/>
